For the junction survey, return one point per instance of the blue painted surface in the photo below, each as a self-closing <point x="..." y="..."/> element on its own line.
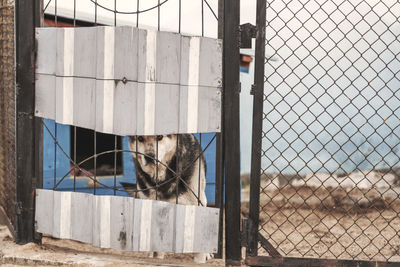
<point x="81" y="184"/>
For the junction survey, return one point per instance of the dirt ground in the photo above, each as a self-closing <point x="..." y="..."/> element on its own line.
<point x="56" y="252"/>
<point x="330" y="222"/>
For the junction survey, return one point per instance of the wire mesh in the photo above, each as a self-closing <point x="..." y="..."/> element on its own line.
<point x="330" y="178"/>
<point x="137" y="13"/>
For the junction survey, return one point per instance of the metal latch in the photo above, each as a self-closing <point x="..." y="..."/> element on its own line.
<point x="247" y="32"/>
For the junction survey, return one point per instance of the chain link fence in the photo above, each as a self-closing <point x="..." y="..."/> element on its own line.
<point x="7" y="109"/>
<point x="330" y="180"/>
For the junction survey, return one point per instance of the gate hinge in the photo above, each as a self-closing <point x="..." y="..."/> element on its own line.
<point x="247" y="31"/>
<point x="244" y="234"/>
<point x="253" y="89"/>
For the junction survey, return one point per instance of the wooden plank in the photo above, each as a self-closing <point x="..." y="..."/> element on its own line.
<point x="101" y="221"/>
<point x="137" y="211"/>
<point x="179" y="236"/>
<point x="162" y="226"/>
<point x="121" y="214"/>
<point x="85" y="52"/>
<point x="84" y="102"/>
<point x="45" y="96"/>
<point x="65" y="52"/>
<point x="46" y="50"/>
<point x="168" y="57"/>
<point x="127" y="224"/>
<point x="183" y="107"/>
<point x="206" y="229"/>
<point x="170" y="70"/>
<point x="62" y="214"/>
<point x="44" y="211"/>
<point x="209" y="109"/>
<point x="166" y="119"/>
<point x="125" y="108"/>
<point x="65" y="100"/>
<point x="105" y="54"/>
<point x="145" y="225"/>
<point x="210" y="62"/>
<point x="126" y="53"/>
<point x="188" y="230"/>
<point x="81" y="217"/>
<point x="104" y="106"/>
<point x="147" y="52"/>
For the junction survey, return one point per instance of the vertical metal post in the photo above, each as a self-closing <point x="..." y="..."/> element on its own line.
<point x="219" y="158"/>
<point x="28" y="164"/>
<point x="257" y="130"/>
<point x="231" y="132"/>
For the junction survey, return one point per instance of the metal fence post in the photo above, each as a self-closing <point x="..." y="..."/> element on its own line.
<point x="231" y="131"/>
<point x="257" y="129"/>
<point x="27" y="17"/>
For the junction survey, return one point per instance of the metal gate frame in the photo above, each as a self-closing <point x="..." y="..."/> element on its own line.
<point x="29" y="131"/>
<point x="251" y="238"/>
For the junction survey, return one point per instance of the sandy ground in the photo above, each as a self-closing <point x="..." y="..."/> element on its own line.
<point x="327" y="222"/>
<point x="55" y="252"/>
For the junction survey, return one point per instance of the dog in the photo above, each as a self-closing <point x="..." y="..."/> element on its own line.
<point x="159" y="160"/>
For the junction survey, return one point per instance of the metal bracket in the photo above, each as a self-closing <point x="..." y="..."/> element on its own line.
<point x="253" y="89"/>
<point x="247" y="32"/>
<point x="245" y="238"/>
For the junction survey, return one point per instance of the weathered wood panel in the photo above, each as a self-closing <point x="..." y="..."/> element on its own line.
<point x="126" y="223"/>
<point x="129" y="81"/>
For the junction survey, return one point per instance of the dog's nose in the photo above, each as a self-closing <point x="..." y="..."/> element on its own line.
<point x="150" y="157"/>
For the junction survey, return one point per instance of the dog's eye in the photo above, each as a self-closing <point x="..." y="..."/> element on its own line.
<point x="140" y="138"/>
<point x="159" y="137"/>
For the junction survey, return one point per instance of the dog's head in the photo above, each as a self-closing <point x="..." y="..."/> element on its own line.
<point x="151" y="150"/>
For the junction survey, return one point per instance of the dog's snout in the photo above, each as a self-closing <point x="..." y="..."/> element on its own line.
<point x="150" y="157"/>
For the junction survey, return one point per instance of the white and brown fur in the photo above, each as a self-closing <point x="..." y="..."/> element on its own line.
<point x="181" y="154"/>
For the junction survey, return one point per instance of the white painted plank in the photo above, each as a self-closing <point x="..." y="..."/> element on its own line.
<point x="147" y="49"/>
<point x="162" y="226"/>
<point x="179" y="233"/>
<point x="209" y="112"/>
<point x="193" y="109"/>
<point x="126" y="53"/>
<point x="210" y="65"/>
<point x="183" y="107"/>
<point x="184" y="64"/>
<point x="45" y="96"/>
<point x="105" y="45"/>
<point x="62" y="214"/>
<point x="168" y="57"/>
<point x="81" y="226"/>
<point x="166" y="119"/>
<point x="104" y="105"/>
<point x="172" y="72"/>
<point x="206" y="230"/>
<point x="65" y="100"/>
<point x="84" y="103"/>
<point x="85" y="52"/>
<point x="145" y="225"/>
<point x="125" y="107"/>
<point x="46" y="54"/>
<point x="149" y="108"/>
<point x="121" y="223"/>
<point x="101" y="221"/>
<point x="65" y="52"/>
<point x="126" y="223"/>
<point x="137" y="213"/>
<point x="44" y="211"/>
<point x="188" y="230"/>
